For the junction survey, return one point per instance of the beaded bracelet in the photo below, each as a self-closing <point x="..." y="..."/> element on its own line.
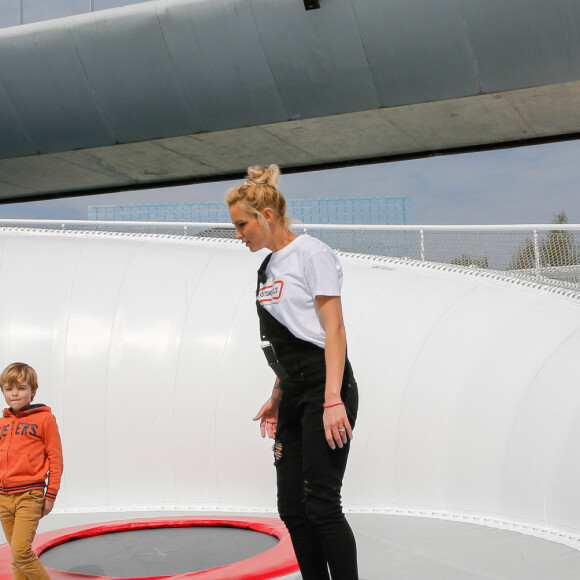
<point x="333" y="405"/>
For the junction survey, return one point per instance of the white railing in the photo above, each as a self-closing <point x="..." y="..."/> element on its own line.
<point x="548" y="253"/>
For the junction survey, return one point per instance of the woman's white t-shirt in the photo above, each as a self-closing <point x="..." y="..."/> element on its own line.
<point x="295" y="275"/>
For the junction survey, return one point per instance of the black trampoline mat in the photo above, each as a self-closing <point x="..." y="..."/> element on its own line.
<point x="157" y="551"/>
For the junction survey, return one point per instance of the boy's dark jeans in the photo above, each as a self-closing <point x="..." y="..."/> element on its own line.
<point x="309" y="475"/>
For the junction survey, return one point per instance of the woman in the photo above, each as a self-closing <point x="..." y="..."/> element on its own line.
<point x="313" y="405"/>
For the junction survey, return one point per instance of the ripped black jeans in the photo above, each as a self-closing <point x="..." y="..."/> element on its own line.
<point x="309" y="476"/>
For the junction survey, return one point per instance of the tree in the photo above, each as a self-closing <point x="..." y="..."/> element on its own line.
<point x="557" y="249"/>
<point x="525" y="257"/>
<point x="466" y="260"/>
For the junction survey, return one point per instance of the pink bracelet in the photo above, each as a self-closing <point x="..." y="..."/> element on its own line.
<point x="333" y="405"/>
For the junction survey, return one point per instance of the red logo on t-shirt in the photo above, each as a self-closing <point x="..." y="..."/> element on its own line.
<point x="271" y="293"/>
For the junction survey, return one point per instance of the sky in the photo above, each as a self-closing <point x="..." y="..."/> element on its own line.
<point x="523" y="185"/>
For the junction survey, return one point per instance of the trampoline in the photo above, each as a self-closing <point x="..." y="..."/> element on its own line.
<point x="225" y="548"/>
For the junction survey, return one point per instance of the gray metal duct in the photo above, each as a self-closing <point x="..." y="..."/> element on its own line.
<point x="180" y="90"/>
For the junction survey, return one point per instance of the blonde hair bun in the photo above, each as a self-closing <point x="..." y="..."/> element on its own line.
<point x="265" y="176"/>
<point x="259" y="191"/>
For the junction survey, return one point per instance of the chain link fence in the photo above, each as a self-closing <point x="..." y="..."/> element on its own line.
<point x="544" y="253"/>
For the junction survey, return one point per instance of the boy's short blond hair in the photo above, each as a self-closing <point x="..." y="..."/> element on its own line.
<point x="19" y="373"/>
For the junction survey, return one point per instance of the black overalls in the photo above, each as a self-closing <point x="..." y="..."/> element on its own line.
<point x="309" y="472"/>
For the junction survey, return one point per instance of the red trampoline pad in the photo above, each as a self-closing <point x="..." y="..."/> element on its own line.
<point x="273" y="563"/>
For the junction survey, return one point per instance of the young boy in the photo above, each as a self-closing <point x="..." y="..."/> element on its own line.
<point x="30" y="449"/>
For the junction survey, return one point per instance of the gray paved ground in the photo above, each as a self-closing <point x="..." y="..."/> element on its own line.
<point x="404" y="548"/>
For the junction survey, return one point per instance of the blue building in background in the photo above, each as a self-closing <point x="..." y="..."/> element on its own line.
<point x="349" y="210"/>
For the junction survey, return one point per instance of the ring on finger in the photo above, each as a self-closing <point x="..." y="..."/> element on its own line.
<point x="341" y="430"/>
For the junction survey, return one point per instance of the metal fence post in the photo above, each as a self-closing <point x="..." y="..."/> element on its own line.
<point x="537" y="264"/>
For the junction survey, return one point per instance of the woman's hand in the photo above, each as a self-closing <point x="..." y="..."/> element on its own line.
<point x="268" y="417"/>
<point x="337" y="427"/>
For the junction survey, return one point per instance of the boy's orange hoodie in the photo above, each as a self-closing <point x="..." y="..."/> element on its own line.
<point x="30" y="450"/>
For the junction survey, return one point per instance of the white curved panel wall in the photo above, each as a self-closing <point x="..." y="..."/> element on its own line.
<point x="147" y="350"/>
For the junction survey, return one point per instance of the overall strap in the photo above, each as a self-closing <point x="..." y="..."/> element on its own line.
<point x="262" y="272"/>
